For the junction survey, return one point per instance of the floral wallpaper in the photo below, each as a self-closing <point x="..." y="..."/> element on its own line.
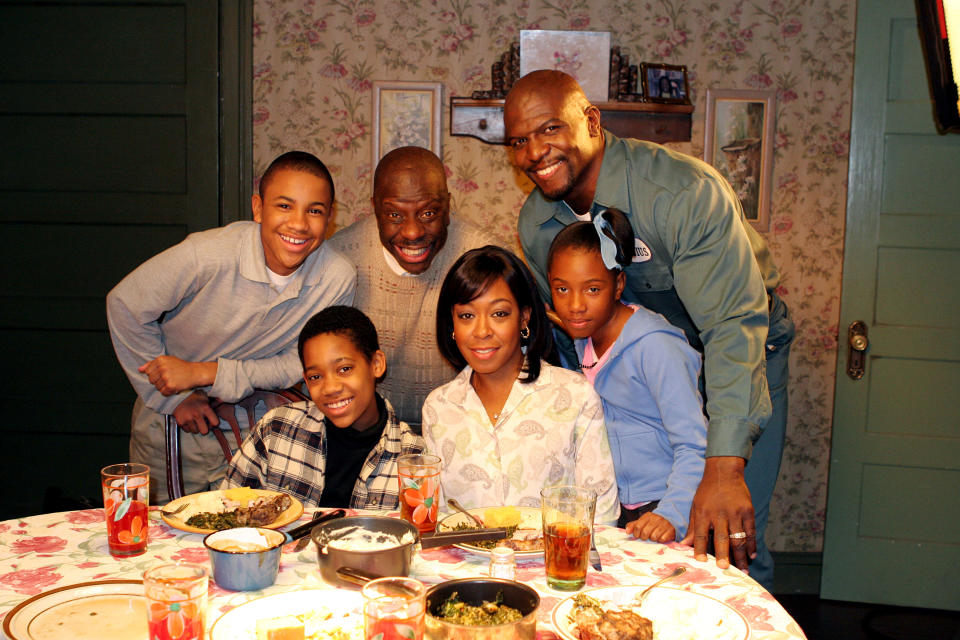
<point x="315" y="61"/>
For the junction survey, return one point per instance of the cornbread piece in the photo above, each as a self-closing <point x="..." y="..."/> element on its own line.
<point x="501" y="517"/>
<point x="283" y="628"/>
<point x="239" y="497"/>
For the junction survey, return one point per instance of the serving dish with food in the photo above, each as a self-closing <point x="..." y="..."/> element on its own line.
<point x="523" y="524"/>
<point x="481" y="609"/>
<point x="376" y="546"/>
<point x="311" y="614"/>
<point x="666" y="613"/>
<point x="248" y="558"/>
<point x="211" y="511"/>
<point x="373" y="544"/>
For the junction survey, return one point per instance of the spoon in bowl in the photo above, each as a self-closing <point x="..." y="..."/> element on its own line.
<point x="458" y="507"/>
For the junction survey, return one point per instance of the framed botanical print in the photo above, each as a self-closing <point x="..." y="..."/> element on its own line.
<point x="738" y="142"/>
<point x="405" y="114"/>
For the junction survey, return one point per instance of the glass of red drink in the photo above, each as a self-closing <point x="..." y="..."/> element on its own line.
<point x="394" y="609"/>
<point x="176" y="601"/>
<point x="567" y="527"/>
<point x="126" y="497"/>
<point x="419" y="490"/>
<point x="392" y="618"/>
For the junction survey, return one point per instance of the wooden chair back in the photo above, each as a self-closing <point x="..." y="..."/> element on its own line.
<point x="227" y="411"/>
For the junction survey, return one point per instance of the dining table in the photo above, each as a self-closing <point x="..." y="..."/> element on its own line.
<point x="42" y="553"/>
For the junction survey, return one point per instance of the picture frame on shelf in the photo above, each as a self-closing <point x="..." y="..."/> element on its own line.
<point x="585" y="55"/>
<point x="406" y="114"/>
<point x="665" y="83"/>
<point x="738" y="142"/>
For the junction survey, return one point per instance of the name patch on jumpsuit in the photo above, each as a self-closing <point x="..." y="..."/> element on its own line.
<point x="641" y="252"/>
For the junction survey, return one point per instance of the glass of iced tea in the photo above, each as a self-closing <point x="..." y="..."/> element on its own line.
<point x="176" y="600"/>
<point x="126" y="496"/>
<point x="394" y="609"/>
<point x="567" y="526"/>
<point x="419" y="490"/>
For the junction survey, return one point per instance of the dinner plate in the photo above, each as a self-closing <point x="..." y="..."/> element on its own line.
<point x="179" y="521"/>
<point x="114" y="609"/>
<point x="345" y="607"/>
<point x="529" y="519"/>
<point x="676" y="614"/>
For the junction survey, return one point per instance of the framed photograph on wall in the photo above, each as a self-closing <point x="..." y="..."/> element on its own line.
<point x="405" y="114"/>
<point x="738" y="142"/>
<point x="664" y="83"/>
<point x="585" y="55"/>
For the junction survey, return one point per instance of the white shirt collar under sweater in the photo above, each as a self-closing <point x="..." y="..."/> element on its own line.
<point x="278" y="281"/>
<point x="394" y="264"/>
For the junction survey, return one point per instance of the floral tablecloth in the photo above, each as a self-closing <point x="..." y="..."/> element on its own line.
<point x="52" y="550"/>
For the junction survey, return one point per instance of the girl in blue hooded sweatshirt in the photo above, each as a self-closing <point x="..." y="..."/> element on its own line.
<point x="644" y="370"/>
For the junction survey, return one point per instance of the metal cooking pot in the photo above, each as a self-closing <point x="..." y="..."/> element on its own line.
<point x="383" y="562"/>
<point x="475" y="591"/>
<point x="390" y="561"/>
<point x="255" y="569"/>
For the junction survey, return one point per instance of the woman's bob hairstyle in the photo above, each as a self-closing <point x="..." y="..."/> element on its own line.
<point x="468" y="278"/>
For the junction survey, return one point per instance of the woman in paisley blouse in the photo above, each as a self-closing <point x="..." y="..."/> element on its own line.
<point x="510" y="424"/>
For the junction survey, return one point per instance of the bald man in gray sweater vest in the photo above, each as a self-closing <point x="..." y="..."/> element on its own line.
<point x="402" y="254"/>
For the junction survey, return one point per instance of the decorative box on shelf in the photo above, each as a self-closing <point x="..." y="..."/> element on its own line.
<point x="483" y="119"/>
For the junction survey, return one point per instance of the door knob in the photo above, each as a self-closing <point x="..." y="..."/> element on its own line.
<point x="858" y="343"/>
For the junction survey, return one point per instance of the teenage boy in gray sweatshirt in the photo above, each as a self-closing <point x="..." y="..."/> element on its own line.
<point x="218" y="315"/>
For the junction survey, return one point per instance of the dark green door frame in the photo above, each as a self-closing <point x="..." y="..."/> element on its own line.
<point x="236" y="109"/>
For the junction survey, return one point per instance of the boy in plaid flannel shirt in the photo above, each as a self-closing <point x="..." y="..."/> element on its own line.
<point x="340" y="449"/>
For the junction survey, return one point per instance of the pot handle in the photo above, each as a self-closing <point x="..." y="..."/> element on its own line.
<point x="444" y="538"/>
<point x="356" y="576"/>
<point x="305" y="529"/>
<point x="360" y="578"/>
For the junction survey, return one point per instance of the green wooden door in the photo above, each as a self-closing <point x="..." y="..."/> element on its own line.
<point x="893" y="508"/>
<point x="109" y="123"/>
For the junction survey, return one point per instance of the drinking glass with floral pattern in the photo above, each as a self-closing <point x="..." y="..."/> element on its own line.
<point x="419" y="477"/>
<point x="126" y="494"/>
<point x="177" y="601"/>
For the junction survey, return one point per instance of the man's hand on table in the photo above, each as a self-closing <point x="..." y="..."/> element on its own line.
<point x="722" y="502"/>
<point x="171" y="375"/>
<point x="195" y="415"/>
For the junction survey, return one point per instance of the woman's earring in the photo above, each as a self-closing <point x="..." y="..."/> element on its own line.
<point x="525" y="333"/>
<point x="453" y="334"/>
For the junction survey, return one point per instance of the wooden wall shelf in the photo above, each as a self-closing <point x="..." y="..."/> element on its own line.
<point x="653" y="121"/>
